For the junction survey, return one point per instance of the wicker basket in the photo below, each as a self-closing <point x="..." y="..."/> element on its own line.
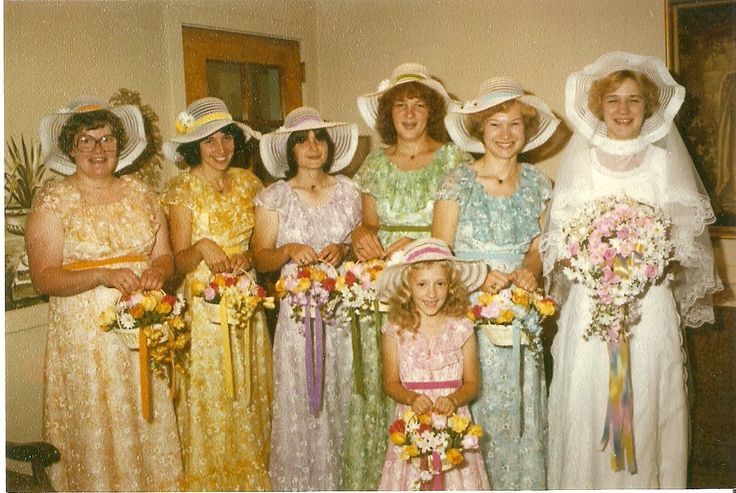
<point x="129" y="337"/>
<point x="501" y="335"/>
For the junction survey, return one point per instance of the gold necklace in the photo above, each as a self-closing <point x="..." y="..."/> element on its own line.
<point x="500" y="180"/>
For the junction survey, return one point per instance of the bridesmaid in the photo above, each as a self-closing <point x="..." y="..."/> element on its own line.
<point x="398" y="183"/>
<point x="225" y="440"/>
<point x="490" y="209"/>
<point x="301" y="220"/>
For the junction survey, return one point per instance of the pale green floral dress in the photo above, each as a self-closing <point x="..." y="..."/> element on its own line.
<point x="403" y="198"/>
<point x="500" y="230"/>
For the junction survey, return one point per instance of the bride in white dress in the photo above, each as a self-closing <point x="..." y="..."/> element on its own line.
<point x="625" y="143"/>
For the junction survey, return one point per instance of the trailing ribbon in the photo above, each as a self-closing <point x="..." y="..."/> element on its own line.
<point x="145" y="377"/>
<point x="405" y="228"/>
<point x="518" y="396"/>
<point x="435" y="467"/>
<point x="227" y="357"/>
<point x="619" y="415"/>
<point x="91" y="264"/>
<point x="357" y="353"/>
<point x="314" y="356"/>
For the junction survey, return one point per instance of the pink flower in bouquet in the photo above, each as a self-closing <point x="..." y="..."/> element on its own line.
<point x="469" y="442"/>
<point x="209" y="293"/>
<point x="573" y="248"/>
<point x="651" y="271"/>
<point x="439" y="421"/>
<point x="609" y="277"/>
<point x="609" y="253"/>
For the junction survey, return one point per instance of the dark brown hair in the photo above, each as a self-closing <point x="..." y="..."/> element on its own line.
<point x="90" y="120"/>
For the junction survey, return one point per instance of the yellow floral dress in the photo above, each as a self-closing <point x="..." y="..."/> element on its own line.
<point x="92" y="403"/>
<point x="225" y="441"/>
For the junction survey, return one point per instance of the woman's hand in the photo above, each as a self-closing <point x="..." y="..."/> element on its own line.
<point x="152" y="278"/>
<point x="124" y="280"/>
<point x="495" y="281"/>
<point x="422" y="404"/>
<point x="302" y="254"/>
<point x="525" y="279"/>
<point x="241" y="262"/>
<point x="333" y="253"/>
<point x="366" y="244"/>
<point x="398" y="245"/>
<point x="213" y="256"/>
<point x="444" y="405"/>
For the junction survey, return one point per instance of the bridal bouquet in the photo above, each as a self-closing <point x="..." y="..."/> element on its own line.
<point x="513" y="307"/>
<point x="616" y="247"/>
<point x="357" y="284"/>
<point x="433" y="442"/>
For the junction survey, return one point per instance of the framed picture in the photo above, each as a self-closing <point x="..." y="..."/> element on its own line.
<point x="701" y="54"/>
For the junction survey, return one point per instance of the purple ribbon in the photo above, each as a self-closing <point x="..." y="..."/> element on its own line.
<point x="314" y="356"/>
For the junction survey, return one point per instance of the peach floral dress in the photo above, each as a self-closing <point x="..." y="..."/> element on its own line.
<point x="424" y="360"/>
<point x="225" y="441"/>
<point x="92" y="403"/>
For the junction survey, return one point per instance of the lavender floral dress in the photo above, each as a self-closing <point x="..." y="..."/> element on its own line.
<point x="306" y="450"/>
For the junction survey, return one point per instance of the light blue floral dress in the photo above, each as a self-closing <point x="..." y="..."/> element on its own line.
<point x="500" y="230"/>
<point x="404" y="203"/>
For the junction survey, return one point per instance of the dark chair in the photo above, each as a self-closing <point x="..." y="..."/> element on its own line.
<point x="41" y="455"/>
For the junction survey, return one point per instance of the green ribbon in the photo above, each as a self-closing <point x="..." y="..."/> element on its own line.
<point x="357" y="354"/>
<point x="405" y="228"/>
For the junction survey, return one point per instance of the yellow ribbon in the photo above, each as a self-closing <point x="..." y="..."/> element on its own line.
<point x="622" y="265"/>
<point x="145" y="380"/>
<point x="91" y="264"/>
<point x="227" y="357"/>
<point x="185" y="128"/>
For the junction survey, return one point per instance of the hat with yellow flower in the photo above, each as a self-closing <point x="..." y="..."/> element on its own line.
<point x="201" y="119"/>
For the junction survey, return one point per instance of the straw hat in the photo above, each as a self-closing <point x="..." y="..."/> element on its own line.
<point x="472" y="272"/>
<point x="51" y="125"/>
<point x="273" y="145"/>
<point x="671" y="96"/>
<point x="202" y="118"/>
<point x="493" y="92"/>
<point x="407" y="72"/>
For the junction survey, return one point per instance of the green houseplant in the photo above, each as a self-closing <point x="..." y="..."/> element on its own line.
<point x="24" y="175"/>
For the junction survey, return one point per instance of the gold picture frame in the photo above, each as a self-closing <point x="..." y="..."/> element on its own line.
<point x="701" y="54"/>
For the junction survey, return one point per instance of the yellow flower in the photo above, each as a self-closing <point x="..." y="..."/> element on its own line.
<point x="163" y="308"/>
<point x="409" y="451"/>
<point x="197" y="288"/>
<point x="340" y="283"/>
<point x="520" y="297"/>
<point x="454" y="456"/>
<point x="303" y="285"/>
<point x="280" y="288"/>
<point x="485" y="298"/>
<point x="545" y="306"/>
<point x="425" y="419"/>
<point x="506" y="316"/>
<point x="458" y="423"/>
<point x="107" y="318"/>
<point x="269" y="303"/>
<point x="475" y="430"/>
<point x="177" y="322"/>
<point x="408" y="415"/>
<point x="398" y="438"/>
<point x="317" y="275"/>
<point x="149" y="303"/>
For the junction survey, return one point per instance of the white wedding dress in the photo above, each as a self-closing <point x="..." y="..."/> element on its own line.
<point x="578" y="395"/>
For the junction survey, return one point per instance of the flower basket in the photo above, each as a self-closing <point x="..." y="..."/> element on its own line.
<point x="129" y="336"/>
<point x="502" y="335"/>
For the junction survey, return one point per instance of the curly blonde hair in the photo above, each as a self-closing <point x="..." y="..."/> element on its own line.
<point x="475" y="121"/>
<point x="409" y="90"/>
<point x="600" y="87"/>
<point x="401" y="308"/>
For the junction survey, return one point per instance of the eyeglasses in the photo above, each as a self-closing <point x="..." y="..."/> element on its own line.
<point x="87" y="143"/>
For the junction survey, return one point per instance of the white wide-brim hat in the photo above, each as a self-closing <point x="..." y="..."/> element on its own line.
<point x="201" y="119"/>
<point x="472" y="273"/>
<point x="51" y="125"/>
<point x="671" y="96"/>
<point x="407" y="72"/>
<point x="273" y="145"/>
<point x="493" y="92"/>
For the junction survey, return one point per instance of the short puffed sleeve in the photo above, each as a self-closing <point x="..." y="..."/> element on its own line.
<point x="459" y="330"/>
<point x="271" y="197"/>
<point x="451" y="185"/>
<point x="53" y="197"/>
<point x="179" y="192"/>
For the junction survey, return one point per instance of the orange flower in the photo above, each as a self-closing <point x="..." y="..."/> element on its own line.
<point x="520" y="297"/>
<point x="398" y="438"/>
<point x="506" y="316"/>
<point x="137" y="312"/>
<point x="163" y="307"/>
<point x="546" y="306"/>
<point x="425" y="419"/>
<point x="454" y="456"/>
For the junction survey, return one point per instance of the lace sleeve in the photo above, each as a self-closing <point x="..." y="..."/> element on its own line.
<point x="271" y="197"/>
<point x="50" y="198"/>
<point x="450" y="186"/>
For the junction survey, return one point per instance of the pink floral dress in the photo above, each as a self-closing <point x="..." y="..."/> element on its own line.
<point x="439" y="359"/>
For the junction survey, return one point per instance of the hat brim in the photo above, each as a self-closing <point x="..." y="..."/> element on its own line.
<point x="368" y="103"/>
<point x="343" y="135"/>
<point x="170" y="146"/>
<point x="577" y="88"/>
<point x="456" y="127"/>
<point x="50" y="129"/>
<point x="472" y="274"/>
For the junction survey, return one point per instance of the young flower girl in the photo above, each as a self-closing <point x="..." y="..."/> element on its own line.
<point x="430" y="363"/>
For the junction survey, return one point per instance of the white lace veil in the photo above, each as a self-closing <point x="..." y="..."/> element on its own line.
<point x="684" y="199"/>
